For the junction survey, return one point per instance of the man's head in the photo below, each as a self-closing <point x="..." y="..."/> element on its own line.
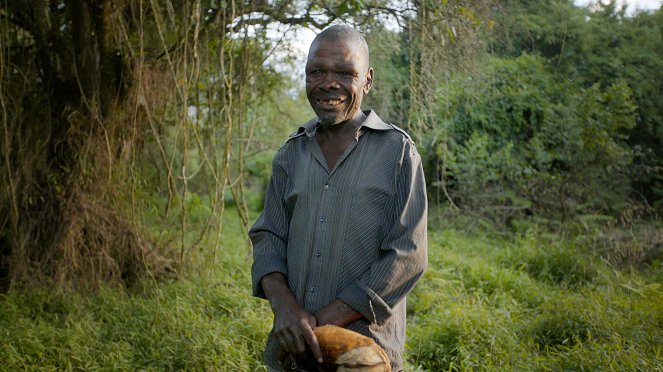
<point x="338" y="74"/>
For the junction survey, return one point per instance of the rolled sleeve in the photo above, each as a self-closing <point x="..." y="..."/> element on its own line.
<point x="404" y="249"/>
<point x="368" y="303"/>
<point x="269" y="234"/>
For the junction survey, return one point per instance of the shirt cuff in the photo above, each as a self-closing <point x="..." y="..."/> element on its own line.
<point x="363" y="299"/>
<point x="262" y="266"/>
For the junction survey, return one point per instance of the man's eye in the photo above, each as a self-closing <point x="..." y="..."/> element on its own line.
<point x="315" y="72"/>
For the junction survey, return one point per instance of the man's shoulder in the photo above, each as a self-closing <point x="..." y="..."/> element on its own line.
<point x="375" y="123"/>
<point x="401" y="132"/>
<point x="401" y="138"/>
<point x="396" y="135"/>
<point x="302" y="130"/>
<point x="291" y="146"/>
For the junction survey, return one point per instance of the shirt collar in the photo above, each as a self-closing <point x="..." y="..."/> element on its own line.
<point x="372" y="121"/>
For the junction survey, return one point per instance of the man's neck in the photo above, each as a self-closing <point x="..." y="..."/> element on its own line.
<point x="344" y="129"/>
<point x="335" y="139"/>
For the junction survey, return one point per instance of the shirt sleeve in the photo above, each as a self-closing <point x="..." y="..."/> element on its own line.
<point x="269" y="235"/>
<point x="404" y="249"/>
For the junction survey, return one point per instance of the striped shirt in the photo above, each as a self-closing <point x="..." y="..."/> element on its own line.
<point x="356" y="232"/>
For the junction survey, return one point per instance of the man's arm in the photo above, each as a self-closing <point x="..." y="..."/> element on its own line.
<point x="404" y="249"/>
<point x="269" y="234"/>
<point x="337" y="313"/>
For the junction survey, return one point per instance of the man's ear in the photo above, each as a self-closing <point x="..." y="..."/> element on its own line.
<point x="369" y="80"/>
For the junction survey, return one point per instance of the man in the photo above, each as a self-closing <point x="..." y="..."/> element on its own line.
<point x="342" y="238"/>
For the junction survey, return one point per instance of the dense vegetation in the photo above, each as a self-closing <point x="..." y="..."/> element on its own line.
<point x="529" y="303"/>
<point x="557" y="118"/>
<point x="137" y="138"/>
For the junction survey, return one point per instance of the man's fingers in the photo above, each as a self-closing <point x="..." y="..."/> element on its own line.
<point x="298" y="344"/>
<point x="296" y="335"/>
<point x="287" y="340"/>
<point x="313" y="344"/>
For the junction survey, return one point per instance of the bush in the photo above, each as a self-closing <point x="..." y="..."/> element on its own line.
<point x="516" y="142"/>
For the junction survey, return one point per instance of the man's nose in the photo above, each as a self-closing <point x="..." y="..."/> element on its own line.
<point x="330" y="81"/>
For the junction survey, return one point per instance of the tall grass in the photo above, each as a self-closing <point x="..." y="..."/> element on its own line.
<point x="531" y="303"/>
<point x="181" y="326"/>
<point x="206" y="321"/>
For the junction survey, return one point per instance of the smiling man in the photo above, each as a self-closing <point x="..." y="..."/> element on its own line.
<point x="342" y="239"/>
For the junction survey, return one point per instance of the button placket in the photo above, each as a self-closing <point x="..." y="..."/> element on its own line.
<point x="321" y="242"/>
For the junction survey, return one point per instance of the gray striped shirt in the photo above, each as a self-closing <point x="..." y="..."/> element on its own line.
<point x="355" y="233"/>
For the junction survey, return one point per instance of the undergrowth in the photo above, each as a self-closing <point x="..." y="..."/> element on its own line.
<point x="532" y="303"/>
<point x="528" y="303"/>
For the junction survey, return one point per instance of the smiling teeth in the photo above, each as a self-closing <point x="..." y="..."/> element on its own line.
<point x="330" y="101"/>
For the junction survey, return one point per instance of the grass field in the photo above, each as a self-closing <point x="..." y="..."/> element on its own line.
<point x="530" y="303"/>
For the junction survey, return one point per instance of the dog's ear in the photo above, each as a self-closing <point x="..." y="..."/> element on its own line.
<point x="346" y="350"/>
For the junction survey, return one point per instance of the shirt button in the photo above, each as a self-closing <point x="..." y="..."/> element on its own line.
<point x="312" y="289"/>
<point x="317" y="254"/>
<point x="322" y="219"/>
<point x="326" y="187"/>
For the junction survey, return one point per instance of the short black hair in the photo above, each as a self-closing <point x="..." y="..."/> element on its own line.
<point x="343" y="33"/>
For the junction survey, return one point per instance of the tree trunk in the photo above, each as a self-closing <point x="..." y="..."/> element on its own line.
<point x="61" y="144"/>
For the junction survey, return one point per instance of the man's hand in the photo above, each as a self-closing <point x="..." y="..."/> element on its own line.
<point x="337" y="313"/>
<point x="293" y="326"/>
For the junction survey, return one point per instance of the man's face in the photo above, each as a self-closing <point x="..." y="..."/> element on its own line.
<point x="337" y="77"/>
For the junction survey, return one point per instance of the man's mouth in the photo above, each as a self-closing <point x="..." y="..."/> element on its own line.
<point x="330" y="101"/>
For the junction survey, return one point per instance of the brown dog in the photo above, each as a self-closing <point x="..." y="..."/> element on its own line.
<point x="342" y="351"/>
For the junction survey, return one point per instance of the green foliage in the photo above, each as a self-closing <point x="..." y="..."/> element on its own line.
<point x="601" y="47"/>
<point x="559" y="119"/>
<point x="520" y="140"/>
<point x="390" y="93"/>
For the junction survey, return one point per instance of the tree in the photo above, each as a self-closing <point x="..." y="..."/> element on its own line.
<point x="85" y="85"/>
<point x="66" y="125"/>
<point x="115" y="113"/>
<point x="604" y="46"/>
